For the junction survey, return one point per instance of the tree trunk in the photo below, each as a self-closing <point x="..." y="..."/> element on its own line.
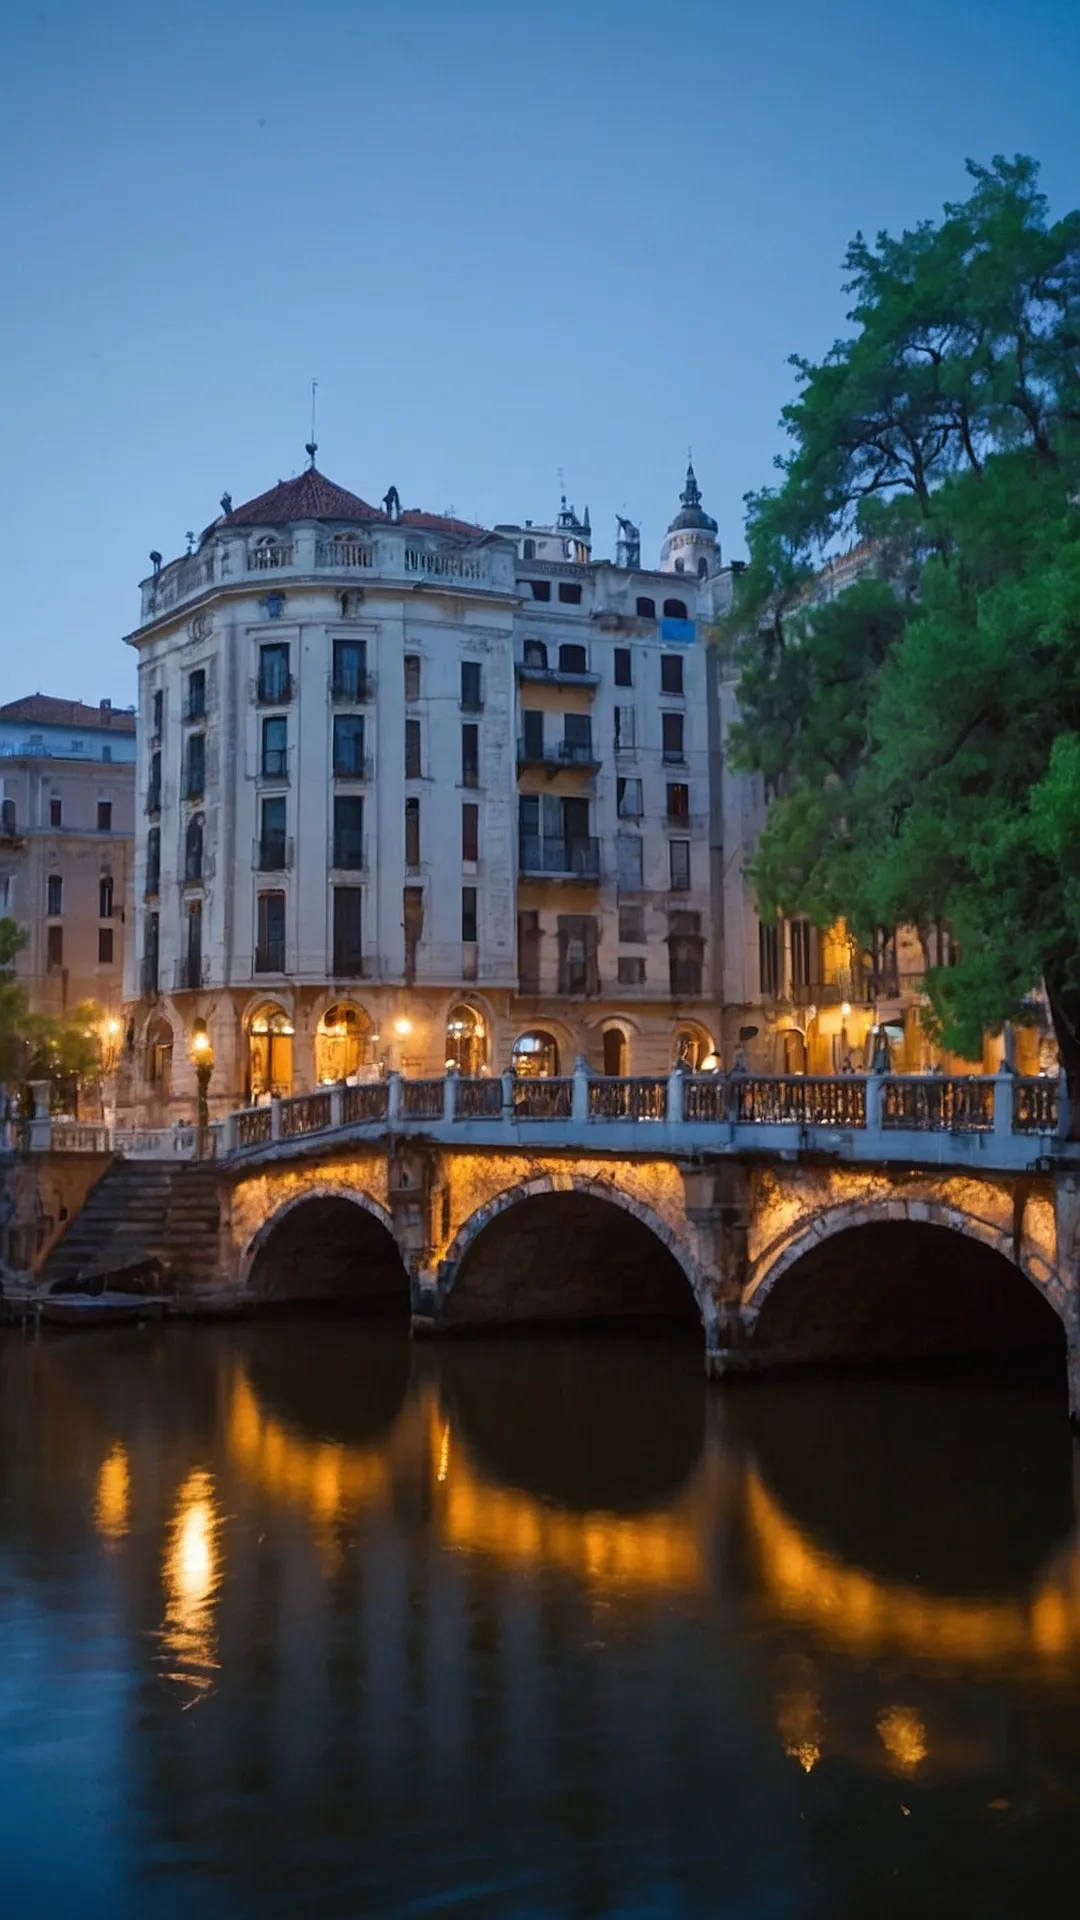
<point x="1064" y="1003"/>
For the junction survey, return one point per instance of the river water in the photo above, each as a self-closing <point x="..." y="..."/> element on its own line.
<point x="296" y="1619"/>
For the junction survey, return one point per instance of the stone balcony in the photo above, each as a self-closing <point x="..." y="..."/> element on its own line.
<point x="394" y="554"/>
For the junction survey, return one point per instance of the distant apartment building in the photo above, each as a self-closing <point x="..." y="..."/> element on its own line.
<point x="413" y="792"/>
<point x="67" y="793"/>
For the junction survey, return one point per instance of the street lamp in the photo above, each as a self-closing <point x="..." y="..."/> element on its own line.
<point x="202" y="1055"/>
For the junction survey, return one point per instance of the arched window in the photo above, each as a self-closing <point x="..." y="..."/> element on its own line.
<point x="692" y="1047"/>
<point x="159" y="1048"/>
<point x="466" y="1039"/>
<point x="535" y="653"/>
<point x="646" y="608"/>
<point x="535" y="1055"/>
<point x="528" y="549"/>
<point x="675" y="609"/>
<point x="344" y="1043"/>
<point x="702" y="567"/>
<point x="614" y="1051"/>
<point x="270" y="1053"/>
<point x="193" y="848"/>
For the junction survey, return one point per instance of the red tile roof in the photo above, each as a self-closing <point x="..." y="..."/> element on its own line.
<point x="41" y="709"/>
<point x="311" y="496"/>
<point x="437" y="523"/>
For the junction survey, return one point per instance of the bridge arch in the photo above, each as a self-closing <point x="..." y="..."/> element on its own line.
<point x="901" y="1277"/>
<point x="326" y="1243"/>
<point x="576" y="1237"/>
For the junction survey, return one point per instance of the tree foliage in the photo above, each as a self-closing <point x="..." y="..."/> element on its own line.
<point x="921" y="732"/>
<point x="13" y="1001"/>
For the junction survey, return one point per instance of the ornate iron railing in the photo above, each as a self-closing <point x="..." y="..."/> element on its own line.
<point x="543" y="1099"/>
<point x="421" y="1099"/>
<point x="308" y="1113"/>
<point x="368" y="1101"/>
<point x="930" y="1101"/>
<point x="802" y="1102"/>
<point x="480" y="1099"/>
<point x="1035" y="1105"/>
<point x="639" y="1098"/>
<point x="705" y="1097"/>
<point x="253" y="1127"/>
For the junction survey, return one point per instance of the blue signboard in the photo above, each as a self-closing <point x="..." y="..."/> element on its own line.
<point x="681" y="630"/>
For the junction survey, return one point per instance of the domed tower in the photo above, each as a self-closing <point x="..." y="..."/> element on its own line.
<point x="691" y="544"/>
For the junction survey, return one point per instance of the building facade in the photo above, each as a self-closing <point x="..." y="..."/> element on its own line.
<point x="67" y="800"/>
<point x="410" y="792"/>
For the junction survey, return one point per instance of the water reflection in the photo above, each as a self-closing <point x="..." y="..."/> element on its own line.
<point x="112" y="1496"/>
<point x="191" y="1577"/>
<point x="530" y="1628"/>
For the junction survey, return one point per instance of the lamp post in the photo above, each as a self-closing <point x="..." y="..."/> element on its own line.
<point x="202" y="1055"/>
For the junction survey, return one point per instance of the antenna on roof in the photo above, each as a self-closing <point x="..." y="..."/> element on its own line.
<point x="312" y="446"/>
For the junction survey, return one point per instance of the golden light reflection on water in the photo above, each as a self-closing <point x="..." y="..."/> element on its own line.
<point x="112" y="1495"/>
<point x="903" y="1736"/>
<point x="325" y="1476"/>
<point x="856" y="1612"/>
<point x="192" y="1573"/>
<point x="799" y="1720"/>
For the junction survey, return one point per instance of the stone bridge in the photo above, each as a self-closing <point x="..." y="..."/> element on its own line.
<point x="789" y="1221"/>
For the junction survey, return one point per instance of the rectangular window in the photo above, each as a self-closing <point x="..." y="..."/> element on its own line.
<point x="685" y="954"/>
<point x="412" y="835"/>
<point x="349" y="832"/>
<point x="628" y="798"/>
<point x="570" y="593"/>
<point x="671" y="673"/>
<point x="105" y="897"/>
<point x="413" y="917"/>
<point x="468" y="914"/>
<point x="578" y="969"/>
<point x="104" y="816"/>
<point x="801" y="953"/>
<point x="150" y="954"/>
<point x="631" y="970"/>
<point x="348" y="932"/>
<point x="54" y="894"/>
<point x="193" y="957"/>
<point x="541" y="589"/>
<point x="56" y="813"/>
<point x="153" y="785"/>
<point x="678" y="803"/>
<point x="470" y="831"/>
<point x="672" y="725"/>
<point x="679" y="856"/>
<point x="628" y="857"/>
<point x="106" y="753"/>
<point x="623" y="670"/>
<point x="272" y="835"/>
<point x="412" y="676"/>
<point x="270" y="938"/>
<point x="274" y="683"/>
<point x="632" y="925"/>
<point x="158" y="711"/>
<point x="196" y="694"/>
<point x="413" y="766"/>
<point x="153" y="860"/>
<point x="470" y="754"/>
<point x="275" y="749"/>
<point x="532" y="735"/>
<point x="349" y="681"/>
<point x="54" y="946"/>
<point x="625" y="729"/>
<point x="769" y="959"/>
<point x="349" y="746"/>
<point x="195" y="771"/>
<point x="471" y="698"/>
<point x="573" y="659"/>
<point x="529" y="938"/>
<point x="105" y="946"/>
<point x="577" y="737"/>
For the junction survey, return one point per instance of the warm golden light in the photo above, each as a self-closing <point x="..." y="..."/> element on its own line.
<point x="191" y="1576"/>
<point x="798" y="1716"/>
<point x="845" y="1010"/>
<point x="443" y="1467"/>
<point x="200" y="1043"/>
<point x="112" y="1028"/>
<point x="402" y="1026"/>
<point x="113" y="1495"/>
<point x="903" y="1736"/>
<point x="324" y="1476"/>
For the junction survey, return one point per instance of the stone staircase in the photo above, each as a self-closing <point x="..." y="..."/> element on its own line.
<point x="142" y="1209"/>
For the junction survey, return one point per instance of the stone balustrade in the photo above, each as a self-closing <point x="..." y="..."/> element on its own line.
<point x="1001" y="1122"/>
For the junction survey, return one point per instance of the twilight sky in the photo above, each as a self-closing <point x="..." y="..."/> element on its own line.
<point x="504" y="239"/>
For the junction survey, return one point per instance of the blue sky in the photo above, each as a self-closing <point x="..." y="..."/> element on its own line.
<point x="505" y="240"/>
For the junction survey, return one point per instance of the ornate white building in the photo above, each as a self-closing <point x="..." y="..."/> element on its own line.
<point x="411" y="791"/>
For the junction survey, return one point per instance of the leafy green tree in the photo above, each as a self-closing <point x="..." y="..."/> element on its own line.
<point x="13" y="1002"/>
<point x="66" y="1051"/>
<point x="921" y="733"/>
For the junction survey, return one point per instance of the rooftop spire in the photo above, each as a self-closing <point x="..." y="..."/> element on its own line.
<point x="312" y="447"/>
